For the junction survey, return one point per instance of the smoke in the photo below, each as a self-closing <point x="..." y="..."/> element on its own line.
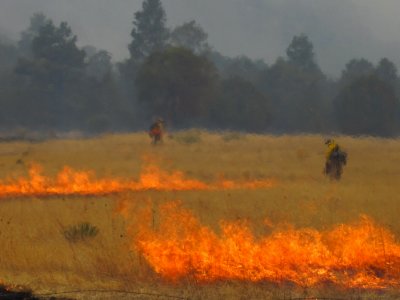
<point x="340" y="30"/>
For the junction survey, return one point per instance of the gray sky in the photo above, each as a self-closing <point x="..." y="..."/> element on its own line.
<point x="339" y="29"/>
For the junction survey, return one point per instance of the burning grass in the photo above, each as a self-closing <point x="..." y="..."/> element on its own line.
<point x="71" y="182"/>
<point x="358" y="255"/>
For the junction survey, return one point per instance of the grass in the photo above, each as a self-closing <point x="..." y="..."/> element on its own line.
<point x="36" y="255"/>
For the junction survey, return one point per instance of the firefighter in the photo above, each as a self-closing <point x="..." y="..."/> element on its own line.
<point x="335" y="160"/>
<point x="156" y="131"/>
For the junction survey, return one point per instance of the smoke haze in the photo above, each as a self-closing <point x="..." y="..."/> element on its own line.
<point x="340" y="30"/>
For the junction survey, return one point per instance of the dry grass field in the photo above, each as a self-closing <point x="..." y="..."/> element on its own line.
<point x="35" y="252"/>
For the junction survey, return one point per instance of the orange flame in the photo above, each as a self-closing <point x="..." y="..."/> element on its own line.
<point x="359" y="255"/>
<point x="71" y="182"/>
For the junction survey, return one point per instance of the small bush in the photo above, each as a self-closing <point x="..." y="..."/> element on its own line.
<point x="188" y="137"/>
<point x="232" y="136"/>
<point x="80" y="232"/>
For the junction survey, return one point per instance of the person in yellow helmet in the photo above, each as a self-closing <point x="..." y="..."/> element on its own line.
<point x="331" y="147"/>
<point x="335" y="160"/>
<point x="156" y="131"/>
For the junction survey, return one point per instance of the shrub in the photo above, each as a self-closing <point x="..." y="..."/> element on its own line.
<point x="188" y="137"/>
<point x="232" y="136"/>
<point x="80" y="232"/>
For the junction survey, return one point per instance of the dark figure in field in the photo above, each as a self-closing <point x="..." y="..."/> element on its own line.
<point x="335" y="160"/>
<point x="156" y="131"/>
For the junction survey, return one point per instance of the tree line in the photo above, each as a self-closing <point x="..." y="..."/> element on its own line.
<point x="47" y="82"/>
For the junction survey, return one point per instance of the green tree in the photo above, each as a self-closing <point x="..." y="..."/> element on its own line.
<point x="51" y="79"/>
<point x="367" y="106"/>
<point x="149" y="33"/>
<point x="8" y="57"/>
<point x="57" y="45"/>
<point x="296" y="86"/>
<point x="301" y="53"/>
<point x="241" y="107"/>
<point x="243" y="67"/>
<point x="191" y="36"/>
<point x="387" y="71"/>
<point x="100" y="104"/>
<point x="56" y="60"/>
<point x="98" y="64"/>
<point x="102" y="101"/>
<point x="297" y="97"/>
<point x="177" y="84"/>
<point x="38" y="20"/>
<point x="355" y="69"/>
<point x="9" y="88"/>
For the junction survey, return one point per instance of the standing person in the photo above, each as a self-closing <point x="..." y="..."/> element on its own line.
<point x="335" y="160"/>
<point x="156" y="131"/>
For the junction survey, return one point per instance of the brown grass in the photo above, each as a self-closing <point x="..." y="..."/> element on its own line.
<point x="36" y="254"/>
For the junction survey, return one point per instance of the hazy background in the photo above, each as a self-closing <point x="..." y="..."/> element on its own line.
<point x="340" y="30"/>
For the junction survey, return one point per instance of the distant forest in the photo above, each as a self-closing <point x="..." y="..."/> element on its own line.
<point x="48" y="83"/>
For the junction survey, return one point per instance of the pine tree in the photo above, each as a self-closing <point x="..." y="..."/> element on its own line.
<point x="149" y="33"/>
<point x="301" y="53"/>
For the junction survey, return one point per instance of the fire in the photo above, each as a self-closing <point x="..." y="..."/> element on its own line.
<point x="359" y="255"/>
<point x="71" y="182"/>
<point x="154" y="178"/>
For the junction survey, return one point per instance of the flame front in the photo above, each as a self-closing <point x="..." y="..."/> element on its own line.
<point x="71" y="182"/>
<point x="359" y="255"/>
